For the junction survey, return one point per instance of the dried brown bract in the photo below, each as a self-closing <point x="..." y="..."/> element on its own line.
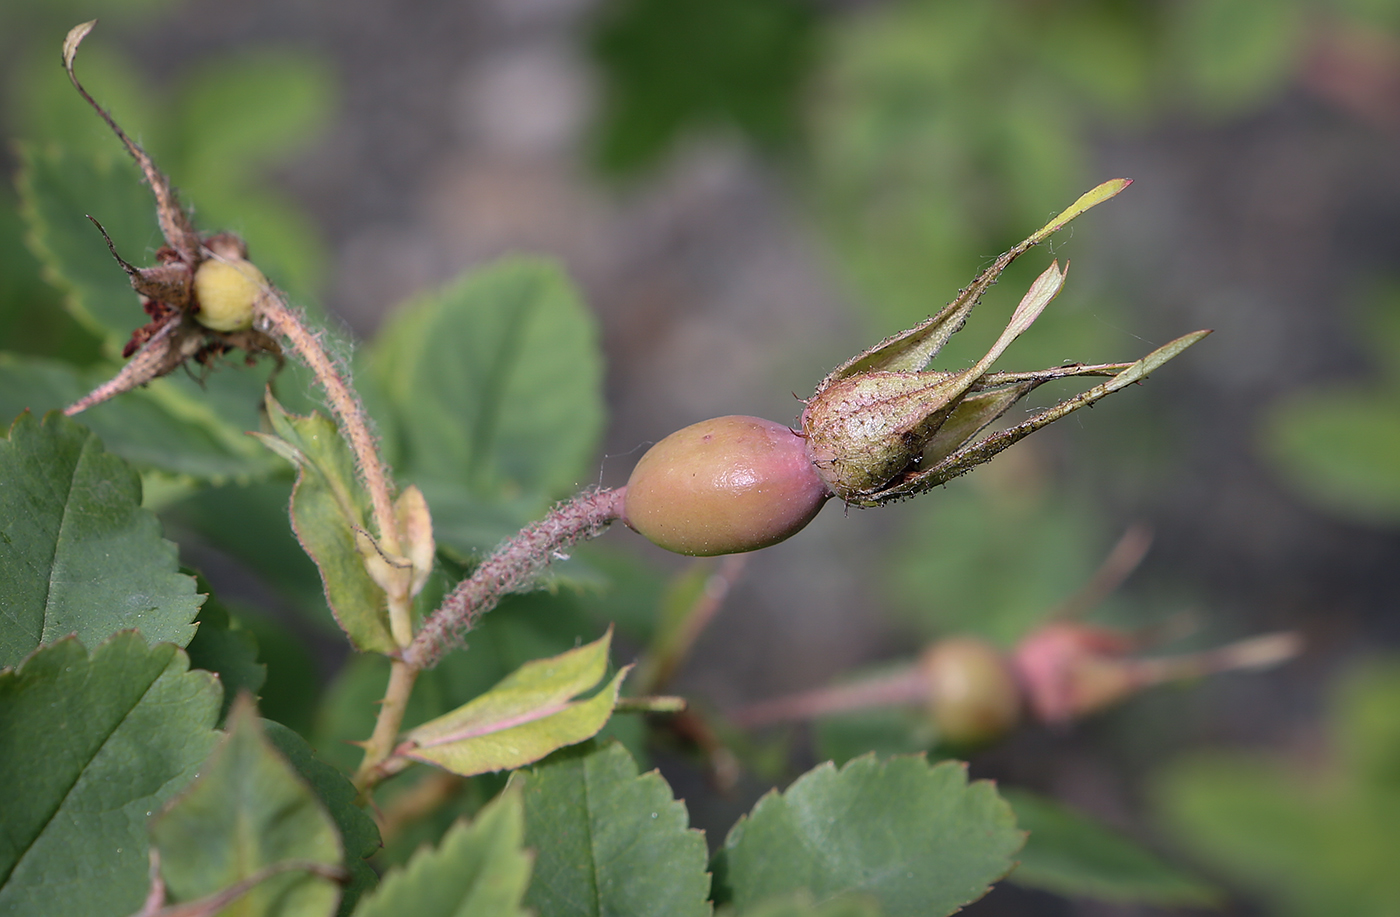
<point x="180" y="327"/>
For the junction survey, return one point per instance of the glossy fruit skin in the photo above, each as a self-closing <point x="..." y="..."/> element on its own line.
<point x="226" y="290"/>
<point x="723" y="486"/>
<point x="973" y="696"/>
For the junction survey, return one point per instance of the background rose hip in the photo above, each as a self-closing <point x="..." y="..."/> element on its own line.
<point x="972" y="692"/>
<point x="724" y="485"/>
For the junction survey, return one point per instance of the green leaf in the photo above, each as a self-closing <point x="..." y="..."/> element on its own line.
<point x="1070" y="854"/>
<point x="90" y="746"/>
<point x="58" y="190"/>
<point x="229" y="651"/>
<point x="146" y="427"/>
<point x="524" y="717"/>
<point x="329" y="506"/>
<point x="1337" y="447"/>
<point x="479" y="869"/>
<point x="247" y="811"/>
<point x="917" y="838"/>
<point x="800" y="904"/>
<point x="79" y="554"/>
<point x="494" y="383"/>
<point x="525" y="627"/>
<point x="609" y="841"/>
<point x="358" y="832"/>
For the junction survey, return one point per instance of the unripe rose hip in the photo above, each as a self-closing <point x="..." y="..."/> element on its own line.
<point x="226" y="290"/>
<point x="722" y="486"/>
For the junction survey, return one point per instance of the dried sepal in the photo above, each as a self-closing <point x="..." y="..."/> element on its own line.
<point x="965" y="459"/>
<point x="865" y="429"/>
<point x="912" y="350"/>
<point x="175" y="223"/>
<point x="181" y="327"/>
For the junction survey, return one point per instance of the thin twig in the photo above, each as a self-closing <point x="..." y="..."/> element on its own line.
<point x="1125" y="557"/>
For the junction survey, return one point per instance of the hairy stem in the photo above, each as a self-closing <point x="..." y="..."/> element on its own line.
<point x="386" y="727"/>
<point x="349" y="413"/>
<point x="511" y="568"/>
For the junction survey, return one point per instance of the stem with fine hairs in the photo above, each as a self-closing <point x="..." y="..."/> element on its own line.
<point x="512" y="567"/>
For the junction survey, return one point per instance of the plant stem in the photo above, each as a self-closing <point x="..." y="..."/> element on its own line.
<point x="386" y="727"/>
<point x="511" y="568"/>
<point x="350" y="414"/>
<point x="906" y="686"/>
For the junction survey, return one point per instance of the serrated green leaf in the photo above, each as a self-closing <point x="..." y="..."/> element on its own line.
<point x="494" y="383"/>
<point x="226" y="650"/>
<point x="90" y="746"/>
<point x="248" y="810"/>
<point x="479" y="869"/>
<point x="525" y="717"/>
<point x="79" y="553"/>
<point x="1337" y="447"/>
<point x="1070" y="854"/>
<point x="358" y="832"/>
<point x="141" y="426"/>
<point x="329" y="506"/>
<point x="58" y="190"/>
<point x="917" y="838"/>
<point x="609" y="841"/>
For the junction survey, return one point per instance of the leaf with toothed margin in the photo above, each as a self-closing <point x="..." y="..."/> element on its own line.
<point x="249" y="811"/>
<point x="480" y="869"/>
<point x="910" y="351"/>
<point x="329" y="506"/>
<point x="526" y="716"/>
<point x="79" y="553"/>
<point x="90" y="746"/>
<point x="149" y="427"/>
<point x="917" y="838"/>
<point x="58" y="189"/>
<point x="609" y="841"/>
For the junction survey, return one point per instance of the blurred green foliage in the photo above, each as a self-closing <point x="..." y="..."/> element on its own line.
<point x="726" y="64"/>
<point x="1338" y="444"/>
<point x="1310" y="838"/>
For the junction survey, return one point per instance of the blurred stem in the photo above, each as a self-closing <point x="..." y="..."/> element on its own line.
<point x="906" y="686"/>
<point x="674" y="641"/>
<point x="386" y="727"/>
<point x="422" y="799"/>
